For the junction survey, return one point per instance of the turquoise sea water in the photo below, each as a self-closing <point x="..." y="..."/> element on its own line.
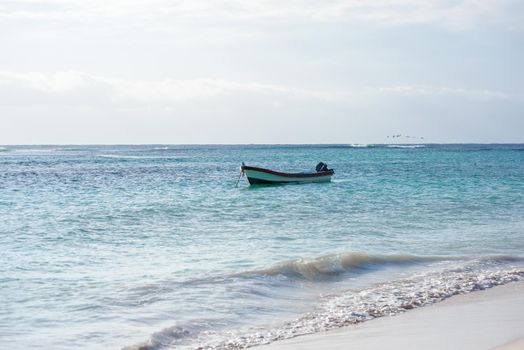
<point x="154" y="246"/>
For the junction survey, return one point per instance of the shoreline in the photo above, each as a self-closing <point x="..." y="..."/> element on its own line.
<point x="487" y="319"/>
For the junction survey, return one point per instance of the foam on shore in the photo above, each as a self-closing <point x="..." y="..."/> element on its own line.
<point x="351" y="307"/>
<point x="491" y="319"/>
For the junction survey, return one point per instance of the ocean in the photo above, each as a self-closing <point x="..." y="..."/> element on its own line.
<point x="154" y="247"/>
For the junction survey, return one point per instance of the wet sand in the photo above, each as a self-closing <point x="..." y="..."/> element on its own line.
<point x="489" y="319"/>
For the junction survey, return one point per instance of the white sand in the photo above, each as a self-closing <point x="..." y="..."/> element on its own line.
<point x="514" y="345"/>
<point x="488" y="319"/>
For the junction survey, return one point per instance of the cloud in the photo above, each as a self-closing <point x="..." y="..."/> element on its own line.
<point x="420" y="90"/>
<point x="461" y="14"/>
<point x="49" y="83"/>
<point x="141" y="90"/>
<point x="171" y="90"/>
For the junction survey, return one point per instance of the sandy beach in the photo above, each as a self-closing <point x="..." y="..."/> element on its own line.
<point x="489" y="319"/>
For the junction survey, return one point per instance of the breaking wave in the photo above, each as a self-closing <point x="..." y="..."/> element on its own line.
<point x="460" y="275"/>
<point x="335" y="264"/>
<point x="349" y="308"/>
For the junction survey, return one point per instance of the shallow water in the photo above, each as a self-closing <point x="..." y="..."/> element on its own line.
<point x="113" y="246"/>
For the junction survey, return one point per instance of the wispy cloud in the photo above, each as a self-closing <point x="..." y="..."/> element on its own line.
<point x="421" y="90"/>
<point x="461" y="14"/>
<point x="148" y="90"/>
<point x="116" y="89"/>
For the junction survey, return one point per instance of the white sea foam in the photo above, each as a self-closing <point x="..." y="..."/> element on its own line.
<point x="382" y="300"/>
<point x="359" y="145"/>
<point x="123" y="156"/>
<point x="349" y="307"/>
<point x="405" y="146"/>
<point x="119" y="156"/>
<point x="35" y="150"/>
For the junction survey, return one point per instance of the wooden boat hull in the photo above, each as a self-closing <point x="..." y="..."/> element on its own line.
<point x="257" y="176"/>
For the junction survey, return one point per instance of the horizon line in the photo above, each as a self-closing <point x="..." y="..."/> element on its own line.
<point x="259" y="144"/>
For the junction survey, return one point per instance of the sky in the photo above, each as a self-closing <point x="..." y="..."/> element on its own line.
<point x="261" y="71"/>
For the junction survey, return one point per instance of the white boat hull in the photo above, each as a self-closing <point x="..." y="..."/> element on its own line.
<point x="265" y="176"/>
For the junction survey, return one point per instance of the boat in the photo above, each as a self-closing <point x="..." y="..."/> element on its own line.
<point x="256" y="175"/>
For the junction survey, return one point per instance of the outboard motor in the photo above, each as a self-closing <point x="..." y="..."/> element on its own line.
<point x="321" y="167"/>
